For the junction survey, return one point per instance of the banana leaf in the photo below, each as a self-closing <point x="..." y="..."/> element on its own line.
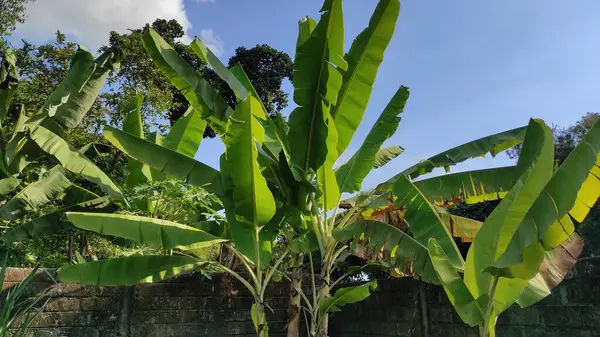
<point x="386" y="154"/>
<point x="9" y="80"/>
<point x="53" y="222"/>
<point x="424" y="221"/>
<point x="138" y="172"/>
<point x="36" y="194"/>
<point x="73" y="98"/>
<point x="364" y="58"/>
<point x="493" y="144"/>
<point x="463" y="301"/>
<point x="164" y="160"/>
<point x="573" y="189"/>
<point x="553" y="270"/>
<point x="534" y="169"/>
<point x="8" y="185"/>
<point x="388" y="246"/>
<point x="346" y="295"/>
<point x="72" y="160"/>
<point x="470" y="187"/>
<point x="250" y="204"/>
<point x="204" y="98"/>
<point x="328" y="193"/>
<point x="318" y="68"/>
<point x="144" y="230"/>
<point x="129" y="270"/>
<point x="186" y="135"/>
<point x="351" y="175"/>
<point x="220" y="69"/>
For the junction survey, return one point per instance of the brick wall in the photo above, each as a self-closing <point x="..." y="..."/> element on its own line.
<point x="186" y="306"/>
<point x="192" y="306"/>
<point x="407" y="307"/>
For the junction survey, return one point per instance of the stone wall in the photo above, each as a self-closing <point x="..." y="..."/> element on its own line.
<point x="192" y="306"/>
<point x="185" y="306"/>
<point x="409" y="308"/>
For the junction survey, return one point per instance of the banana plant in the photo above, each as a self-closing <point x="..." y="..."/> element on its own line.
<point x="528" y="244"/>
<point x="37" y="139"/>
<point x="276" y="175"/>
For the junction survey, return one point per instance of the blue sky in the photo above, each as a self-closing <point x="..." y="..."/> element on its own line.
<point x="474" y="67"/>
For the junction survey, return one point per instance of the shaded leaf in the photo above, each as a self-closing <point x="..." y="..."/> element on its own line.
<point x="53" y="222"/>
<point x="129" y="270"/>
<point x="203" y="97"/>
<point x="138" y="172"/>
<point x="553" y="270"/>
<point x="164" y="160"/>
<point x="423" y="220"/>
<point x="72" y="160"/>
<point x="36" y="195"/>
<point x="219" y="68"/>
<point x="9" y="80"/>
<point x="459" y="295"/>
<point x="388" y="246"/>
<point x="347" y="295"/>
<point x="144" y="230"/>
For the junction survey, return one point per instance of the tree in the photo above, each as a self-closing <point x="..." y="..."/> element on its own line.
<point x="12" y="12"/>
<point x="266" y="65"/>
<point x="266" y="68"/>
<point x="565" y="139"/>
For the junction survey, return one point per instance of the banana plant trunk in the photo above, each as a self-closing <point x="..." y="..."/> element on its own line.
<point x="293" y="324"/>
<point x="324" y="290"/>
<point x="262" y="329"/>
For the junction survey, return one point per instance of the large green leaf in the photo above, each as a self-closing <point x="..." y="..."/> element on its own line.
<point x="199" y="93"/>
<point x="423" y="220"/>
<point x="388" y="246"/>
<point x="186" y="135"/>
<point x="534" y="170"/>
<point x="138" y="172"/>
<point x="576" y="182"/>
<point x="53" y="222"/>
<point x="8" y="185"/>
<point x="129" y="270"/>
<point x="351" y="175"/>
<point x="144" y="230"/>
<point x="328" y="194"/>
<point x="164" y="160"/>
<point x="73" y="98"/>
<point x="219" y="68"/>
<point x="553" y="270"/>
<point x="251" y="200"/>
<point x="72" y="160"/>
<point x="364" y="58"/>
<point x="318" y="67"/>
<point x="471" y="187"/>
<point x="346" y="295"/>
<point x="36" y="194"/>
<point x="459" y="295"/>
<point x="9" y="80"/>
<point x="493" y="144"/>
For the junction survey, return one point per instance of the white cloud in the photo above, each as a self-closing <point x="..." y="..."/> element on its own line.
<point x="90" y="21"/>
<point x="212" y="41"/>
